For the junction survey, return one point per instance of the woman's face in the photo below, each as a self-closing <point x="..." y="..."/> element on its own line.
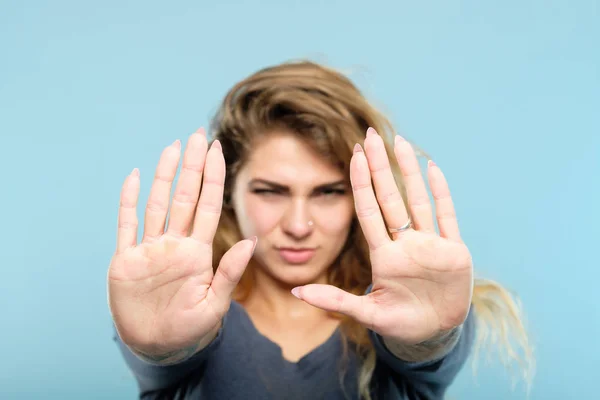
<point x="298" y="205"/>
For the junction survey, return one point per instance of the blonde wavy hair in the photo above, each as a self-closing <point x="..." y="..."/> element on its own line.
<point x="323" y="107"/>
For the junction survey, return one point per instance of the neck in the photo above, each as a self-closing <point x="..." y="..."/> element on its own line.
<point x="274" y="299"/>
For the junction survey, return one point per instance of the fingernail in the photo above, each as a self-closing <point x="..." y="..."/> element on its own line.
<point x="254" y="241"/>
<point x="201" y="131"/>
<point x="371" y="132"/>
<point x="217" y="145"/>
<point x="296" y="292"/>
<point x="135" y="172"/>
<point x="177" y="144"/>
<point x="430" y="163"/>
<point x="357" y="148"/>
<point x="399" y="139"/>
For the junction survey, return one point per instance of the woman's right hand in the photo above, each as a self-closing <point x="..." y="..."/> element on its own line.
<point x="165" y="301"/>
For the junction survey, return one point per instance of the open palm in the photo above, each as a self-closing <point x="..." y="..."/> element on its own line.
<point x="422" y="281"/>
<point x="163" y="296"/>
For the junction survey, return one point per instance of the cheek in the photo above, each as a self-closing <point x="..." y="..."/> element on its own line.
<point x="260" y="216"/>
<point x="336" y="219"/>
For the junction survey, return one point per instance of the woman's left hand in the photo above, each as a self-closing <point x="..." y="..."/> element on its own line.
<point x="422" y="281"/>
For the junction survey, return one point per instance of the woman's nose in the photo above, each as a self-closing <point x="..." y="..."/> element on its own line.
<point x="296" y="221"/>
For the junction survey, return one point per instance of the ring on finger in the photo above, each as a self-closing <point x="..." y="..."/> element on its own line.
<point x="403" y="228"/>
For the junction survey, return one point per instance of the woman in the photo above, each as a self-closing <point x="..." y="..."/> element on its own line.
<point x="301" y="258"/>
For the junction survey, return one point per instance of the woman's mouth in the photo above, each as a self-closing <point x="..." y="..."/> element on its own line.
<point x="296" y="255"/>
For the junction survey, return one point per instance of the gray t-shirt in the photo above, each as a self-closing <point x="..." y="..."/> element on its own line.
<point x="241" y="363"/>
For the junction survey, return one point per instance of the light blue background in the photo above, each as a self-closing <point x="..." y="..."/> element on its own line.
<point x="504" y="95"/>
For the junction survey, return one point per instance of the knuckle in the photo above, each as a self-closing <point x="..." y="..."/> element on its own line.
<point x="358" y="186"/>
<point x="127" y="203"/>
<point x="156" y="206"/>
<point x="159" y="177"/>
<point x="441" y="195"/>
<point x="212" y="181"/>
<point x="151" y="238"/>
<point x="379" y="167"/>
<point x="419" y="200"/>
<point x="209" y="208"/>
<point x="390" y="198"/>
<point x="192" y="168"/>
<point x="411" y="172"/>
<point x="339" y="301"/>
<point x="226" y="274"/>
<point x="367" y="212"/>
<point x="127" y="225"/>
<point x="185" y="198"/>
<point x="446" y="214"/>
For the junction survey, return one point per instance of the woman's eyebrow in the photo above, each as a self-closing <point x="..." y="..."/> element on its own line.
<point x="281" y="187"/>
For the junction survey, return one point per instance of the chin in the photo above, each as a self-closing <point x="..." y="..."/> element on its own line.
<point x="297" y="275"/>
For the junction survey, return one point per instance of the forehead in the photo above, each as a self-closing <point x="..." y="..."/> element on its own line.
<point x="287" y="159"/>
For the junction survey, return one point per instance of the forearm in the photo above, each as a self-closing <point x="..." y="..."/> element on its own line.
<point x="156" y="370"/>
<point x="177" y="356"/>
<point x="431" y="349"/>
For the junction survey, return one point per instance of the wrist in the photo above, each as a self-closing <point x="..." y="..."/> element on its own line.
<point x="433" y="348"/>
<point x="165" y="358"/>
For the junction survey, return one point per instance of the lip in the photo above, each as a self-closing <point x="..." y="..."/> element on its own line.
<point x="296" y="255"/>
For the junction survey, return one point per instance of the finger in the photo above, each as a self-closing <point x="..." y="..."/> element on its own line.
<point x="187" y="191"/>
<point x="388" y="196"/>
<point x="444" y="207"/>
<point x="331" y="298"/>
<point x="127" y="220"/>
<point x="231" y="268"/>
<point x="367" y="209"/>
<point x="209" y="206"/>
<point x="416" y="192"/>
<point x="158" y="201"/>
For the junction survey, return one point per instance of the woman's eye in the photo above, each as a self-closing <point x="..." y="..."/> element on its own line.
<point x="332" y="192"/>
<point x="265" y="191"/>
<point x="320" y="193"/>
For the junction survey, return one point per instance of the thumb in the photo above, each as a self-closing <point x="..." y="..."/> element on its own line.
<point x="331" y="298"/>
<point x="231" y="268"/>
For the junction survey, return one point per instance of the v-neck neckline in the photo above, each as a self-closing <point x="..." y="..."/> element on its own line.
<point x="308" y="358"/>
